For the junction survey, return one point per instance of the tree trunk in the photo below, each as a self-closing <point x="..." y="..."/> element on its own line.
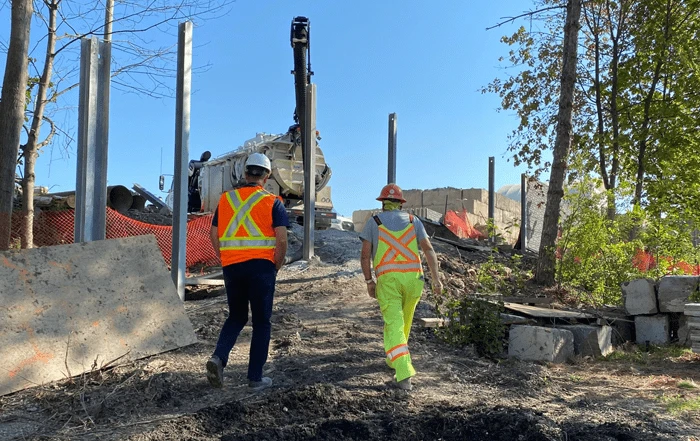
<point x="31" y="148"/>
<point x="546" y="262"/>
<point x="12" y="104"/>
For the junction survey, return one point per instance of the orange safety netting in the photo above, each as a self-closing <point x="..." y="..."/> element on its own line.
<point x="56" y="227"/>
<point x="458" y="223"/>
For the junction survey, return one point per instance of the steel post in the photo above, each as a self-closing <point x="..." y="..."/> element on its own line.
<point x="492" y="196"/>
<point x="391" y="176"/>
<point x="93" y="136"/>
<point x="182" y="154"/>
<point x="310" y="173"/>
<point x="523" y="212"/>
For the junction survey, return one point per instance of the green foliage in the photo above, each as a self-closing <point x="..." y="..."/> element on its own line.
<point x="677" y="404"/>
<point x="596" y="253"/>
<point x="496" y="277"/>
<point x="473" y="321"/>
<point x="687" y="384"/>
<point x="639" y="354"/>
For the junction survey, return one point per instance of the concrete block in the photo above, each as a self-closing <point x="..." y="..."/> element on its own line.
<point x="477" y="207"/>
<point x="593" y="341"/>
<point x="360" y="217"/>
<point x="692" y="309"/>
<point x="426" y="213"/>
<point x="639" y="297"/>
<point x="67" y="307"/>
<point x="506" y="204"/>
<point x="539" y="343"/>
<point x="674" y="292"/>
<point x="414" y="198"/>
<point x="438" y="197"/>
<point x="476" y="194"/>
<point x="652" y="328"/>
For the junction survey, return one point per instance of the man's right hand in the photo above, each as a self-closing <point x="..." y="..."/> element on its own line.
<point x="372" y="290"/>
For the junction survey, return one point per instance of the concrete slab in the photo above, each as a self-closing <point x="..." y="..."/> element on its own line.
<point x="539" y="343"/>
<point x="692" y="309"/>
<point x="652" y="328"/>
<point x="591" y="341"/>
<point x="674" y="292"/>
<point x="640" y="296"/>
<point x="66" y="308"/>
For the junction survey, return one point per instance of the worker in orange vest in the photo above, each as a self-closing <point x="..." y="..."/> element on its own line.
<point x="390" y="243"/>
<point x="249" y="229"/>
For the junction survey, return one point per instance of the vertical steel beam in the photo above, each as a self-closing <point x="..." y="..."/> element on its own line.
<point x="492" y="196"/>
<point x="310" y="173"/>
<point x="523" y="212"/>
<point x="93" y="136"/>
<point x="391" y="175"/>
<point x="182" y="154"/>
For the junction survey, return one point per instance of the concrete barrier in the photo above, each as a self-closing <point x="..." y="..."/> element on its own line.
<point x="593" y="341"/>
<point x="66" y="308"/>
<point x="674" y="292"/>
<point x="654" y="329"/>
<point x="539" y="343"/>
<point x="640" y="297"/>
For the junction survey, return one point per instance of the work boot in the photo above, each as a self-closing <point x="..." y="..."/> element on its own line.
<point x="215" y="372"/>
<point x="404" y="384"/>
<point x="264" y="383"/>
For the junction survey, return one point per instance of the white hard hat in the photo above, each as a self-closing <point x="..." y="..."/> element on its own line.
<point x="260" y="160"/>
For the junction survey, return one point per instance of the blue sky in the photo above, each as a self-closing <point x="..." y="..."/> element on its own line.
<point x="425" y="61"/>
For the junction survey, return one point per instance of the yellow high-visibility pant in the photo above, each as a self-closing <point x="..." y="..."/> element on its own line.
<point x="398" y="294"/>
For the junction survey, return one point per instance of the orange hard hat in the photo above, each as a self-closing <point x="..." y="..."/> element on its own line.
<point x="391" y="191"/>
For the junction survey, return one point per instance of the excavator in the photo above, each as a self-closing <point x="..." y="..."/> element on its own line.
<point x="285" y="151"/>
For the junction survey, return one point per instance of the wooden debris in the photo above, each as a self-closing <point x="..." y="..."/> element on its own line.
<point x="529" y="300"/>
<point x="538" y="312"/>
<point x="506" y="319"/>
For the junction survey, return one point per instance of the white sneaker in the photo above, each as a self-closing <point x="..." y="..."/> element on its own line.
<point x="264" y="383"/>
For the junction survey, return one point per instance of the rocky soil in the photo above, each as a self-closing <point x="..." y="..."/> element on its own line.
<point x="331" y="382"/>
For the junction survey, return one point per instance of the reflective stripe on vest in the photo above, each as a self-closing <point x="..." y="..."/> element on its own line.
<point x="253" y="237"/>
<point x="396" y="352"/>
<point x="397" y="251"/>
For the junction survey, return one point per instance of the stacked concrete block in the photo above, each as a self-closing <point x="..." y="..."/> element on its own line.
<point x="414" y="198"/>
<point x="539" y="343"/>
<point x="674" y="292"/>
<point x="360" y="218"/>
<point x="425" y="213"/>
<point x="591" y="341"/>
<point x="657" y="308"/>
<point x="640" y="297"/>
<point x="692" y="315"/>
<point x="654" y="329"/>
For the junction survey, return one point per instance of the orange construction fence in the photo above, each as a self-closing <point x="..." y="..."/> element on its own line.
<point x="56" y="227"/>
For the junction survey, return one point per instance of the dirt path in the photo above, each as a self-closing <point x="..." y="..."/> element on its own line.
<point x="330" y="382"/>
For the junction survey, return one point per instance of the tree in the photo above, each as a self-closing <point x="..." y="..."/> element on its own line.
<point x="546" y="263"/>
<point x="635" y="106"/>
<point x="145" y="69"/>
<point x="12" y="104"/>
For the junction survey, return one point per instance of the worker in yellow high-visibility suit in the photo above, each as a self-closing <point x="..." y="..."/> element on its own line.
<point x="391" y="241"/>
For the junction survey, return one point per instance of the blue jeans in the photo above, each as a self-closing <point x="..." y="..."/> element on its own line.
<point x="250" y="282"/>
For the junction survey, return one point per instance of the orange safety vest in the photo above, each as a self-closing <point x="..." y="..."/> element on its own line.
<point x="397" y="251"/>
<point x="245" y="225"/>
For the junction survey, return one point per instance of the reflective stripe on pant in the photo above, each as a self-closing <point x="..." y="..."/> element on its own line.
<point x="398" y="294"/>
